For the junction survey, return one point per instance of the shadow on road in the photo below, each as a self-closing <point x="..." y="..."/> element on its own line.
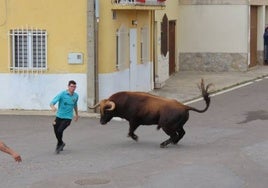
<point x="255" y="115"/>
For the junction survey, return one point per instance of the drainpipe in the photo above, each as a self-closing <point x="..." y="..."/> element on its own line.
<point x="249" y="14"/>
<point x="96" y="55"/>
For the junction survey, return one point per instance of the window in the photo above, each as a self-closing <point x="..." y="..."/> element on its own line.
<point x="145" y="44"/>
<point x="28" y="49"/>
<point x="122" y="48"/>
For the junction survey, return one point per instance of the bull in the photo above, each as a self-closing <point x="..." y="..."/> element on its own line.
<point x="140" y="108"/>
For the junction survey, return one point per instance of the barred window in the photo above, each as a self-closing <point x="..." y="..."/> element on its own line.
<point x="28" y="49"/>
<point x="145" y="44"/>
<point x="122" y="48"/>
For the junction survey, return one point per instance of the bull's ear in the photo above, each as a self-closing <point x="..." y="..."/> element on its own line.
<point x="110" y="106"/>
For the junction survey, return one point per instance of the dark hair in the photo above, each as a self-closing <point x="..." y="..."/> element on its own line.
<point x="71" y="82"/>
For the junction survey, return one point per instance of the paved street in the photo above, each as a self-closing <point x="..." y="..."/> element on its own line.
<point x="226" y="147"/>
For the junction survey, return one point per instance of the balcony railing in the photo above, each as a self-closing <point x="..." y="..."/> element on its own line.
<point x="138" y="4"/>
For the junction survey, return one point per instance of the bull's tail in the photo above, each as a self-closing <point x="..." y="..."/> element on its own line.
<point x="205" y="95"/>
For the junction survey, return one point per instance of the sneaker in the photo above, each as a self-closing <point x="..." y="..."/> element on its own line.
<point x="57" y="151"/>
<point x="59" y="148"/>
<point x="62" y="146"/>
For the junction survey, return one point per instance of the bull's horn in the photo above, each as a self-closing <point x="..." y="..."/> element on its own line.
<point x="112" y="104"/>
<point x="95" y="106"/>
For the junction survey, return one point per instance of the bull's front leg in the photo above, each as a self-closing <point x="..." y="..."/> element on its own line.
<point x="132" y="128"/>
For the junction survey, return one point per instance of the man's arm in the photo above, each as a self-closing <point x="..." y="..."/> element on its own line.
<point x="6" y="149"/>
<point x="76" y="113"/>
<point x="54" y="109"/>
<point x="54" y="101"/>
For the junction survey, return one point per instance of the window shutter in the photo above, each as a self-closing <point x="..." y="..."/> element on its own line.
<point x="164" y="35"/>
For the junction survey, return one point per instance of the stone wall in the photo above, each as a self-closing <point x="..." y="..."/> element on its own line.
<point x="213" y="62"/>
<point x="260" y="59"/>
<point x="162" y="72"/>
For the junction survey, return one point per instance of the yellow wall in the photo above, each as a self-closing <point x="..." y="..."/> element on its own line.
<point x="64" y="20"/>
<point x="107" y="33"/>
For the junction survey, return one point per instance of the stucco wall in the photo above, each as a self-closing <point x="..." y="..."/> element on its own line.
<point x="110" y="22"/>
<point x="111" y="78"/>
<point x="119" y="81"/>
<point x="213" y="28"/>
<point x="64" y="21"/>
<point x="66" y="24"/>
<point x="213" y="34"/>
<point x="34" y="92"/>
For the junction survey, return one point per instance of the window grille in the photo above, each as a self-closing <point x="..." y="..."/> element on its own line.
<point x="145" y="44"/>
<point x="28" y="50"/>
<point x="122" y="46"/>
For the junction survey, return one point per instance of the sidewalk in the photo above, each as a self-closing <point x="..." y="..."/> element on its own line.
<point x="182" y="86"/>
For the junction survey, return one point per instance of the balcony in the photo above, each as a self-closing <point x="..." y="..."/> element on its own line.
<point x="138" y="4"/>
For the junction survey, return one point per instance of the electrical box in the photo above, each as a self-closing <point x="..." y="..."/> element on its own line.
<point x="75" y="58"/>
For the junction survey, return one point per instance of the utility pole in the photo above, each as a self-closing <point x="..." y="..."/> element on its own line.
<point x="92" y="68"/>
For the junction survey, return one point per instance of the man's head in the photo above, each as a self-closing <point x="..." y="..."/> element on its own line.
<point x="71" y="86"/>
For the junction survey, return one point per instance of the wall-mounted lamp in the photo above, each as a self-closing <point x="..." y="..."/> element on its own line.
<point x="134" y="22"/>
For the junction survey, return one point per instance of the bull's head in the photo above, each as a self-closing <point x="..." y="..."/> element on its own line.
<point x="106" y="110"/>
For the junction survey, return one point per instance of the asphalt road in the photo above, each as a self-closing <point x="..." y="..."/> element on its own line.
<point x="226" y="147"/>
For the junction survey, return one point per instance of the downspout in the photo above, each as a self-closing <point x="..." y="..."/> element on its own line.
<point x="96" y="55"/>
<point x="153" y="51"/>
<point x="249" y="16"/>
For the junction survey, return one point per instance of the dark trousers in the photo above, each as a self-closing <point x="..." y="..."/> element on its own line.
<point x="265" y="56"/>
<point x="59" y="126"/>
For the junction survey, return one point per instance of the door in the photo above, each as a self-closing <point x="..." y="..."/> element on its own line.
<point x="133" y="59"/>
<point x="172" y="38"/>
<point x="253" y="35"/>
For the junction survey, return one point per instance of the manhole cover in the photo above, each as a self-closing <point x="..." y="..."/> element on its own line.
<point x="92" y="181"/>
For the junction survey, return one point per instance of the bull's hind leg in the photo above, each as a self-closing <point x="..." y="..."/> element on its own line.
<point x="180" y="130"/>
<point x="181" y="133"/>
<point x="165" y="143"/>
<point x="173" y="135"/>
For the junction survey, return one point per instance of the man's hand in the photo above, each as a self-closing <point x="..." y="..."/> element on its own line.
<point x="76" y="117"/>
<point x="16" y="157"/>
<point x="53" y="108"/>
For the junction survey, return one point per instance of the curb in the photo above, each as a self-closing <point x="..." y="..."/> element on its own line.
<point x="43" y="113"/>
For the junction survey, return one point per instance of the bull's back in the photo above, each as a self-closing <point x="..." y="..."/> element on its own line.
<point x="138" y="100"/>
<point x="142" y="107"/>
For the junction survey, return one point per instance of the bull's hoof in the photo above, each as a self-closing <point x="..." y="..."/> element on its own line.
<point x="164" y="144"/>
<point x="134" y="137"/>
<point x="175" y="142"/>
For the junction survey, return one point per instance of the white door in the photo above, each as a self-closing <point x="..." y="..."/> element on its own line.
<point x="133" y="59"/>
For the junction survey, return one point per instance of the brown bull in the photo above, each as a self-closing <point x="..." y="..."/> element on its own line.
<point x="141" y="108"/>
